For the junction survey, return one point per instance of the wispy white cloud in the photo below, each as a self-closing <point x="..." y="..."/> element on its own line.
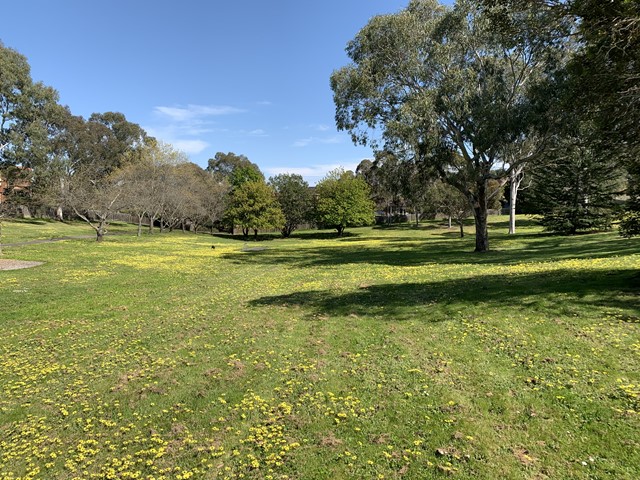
<point x="178" y="138"/>
<point x="185" y="126"/>
<point x="312" y="173"/>
<point x="304" y="142"/>
<point x="320" y="127"/>
<point x="264" y="103"/>
<point x="190" y="146"/>
<point x="193" y="112"/>
<point x="258" y="132"/>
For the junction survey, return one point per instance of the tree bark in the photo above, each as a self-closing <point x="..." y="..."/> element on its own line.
<point x="340" y="229"/>
<point x="139" y="225"/>
<point x="101" y="229"/>
<point x="516" y="175"/>
<point x="461" y="224"/>
<point x="480" y="215"/>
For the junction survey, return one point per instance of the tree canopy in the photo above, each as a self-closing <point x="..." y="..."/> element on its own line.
<point x="442" y="85"/>
<point x="254" y="206"/>
<point x="343" y="200"/>
<point x="27" y="111"/>
<point x="294" y="196"/>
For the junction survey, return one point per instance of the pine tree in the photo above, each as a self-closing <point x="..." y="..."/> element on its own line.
<point x="576" y="190"/>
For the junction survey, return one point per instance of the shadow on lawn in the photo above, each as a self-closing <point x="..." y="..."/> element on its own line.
<point x="430" y="250"/>
<point x="315" y="235"/>
<point x="494" y="224"/>
<point x="562" y="292"/>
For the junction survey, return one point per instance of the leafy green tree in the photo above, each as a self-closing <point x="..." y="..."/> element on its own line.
<point x="243" y="174"/>
<point x="254" y="206"/>
<point x="232" y="170"/>
<point x="417" y="178"/>
<point x="444" y="86"/>
<point x="449" y="202"/>
<point x="89" y="147"/>
<point x="225" y="164"/>
<point x="576" y="190"/>
<point x="369" y="171"/>
<point x="295" y="200"/>
<point x="26" y="111"/>
<point x="602" y="78"/>
<point x="343" y="200"/>
<point x="126" y="139"/>
<point x="630" y="222"/>
<point x="15" y="190"/>
<point x="386" y="176"/>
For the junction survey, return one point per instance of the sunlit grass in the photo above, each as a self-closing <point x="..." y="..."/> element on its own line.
<point x="26" y="230"/>
<point x="390" y="353"/>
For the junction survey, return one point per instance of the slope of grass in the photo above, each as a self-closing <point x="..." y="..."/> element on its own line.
<point x="26" y="230"/>
<point x="389" y="353"/>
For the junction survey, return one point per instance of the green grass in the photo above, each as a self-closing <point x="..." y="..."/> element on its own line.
<point x="389" y="353"/>
<point x="27" y="230"/>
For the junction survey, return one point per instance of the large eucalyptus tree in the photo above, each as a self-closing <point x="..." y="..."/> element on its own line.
<point x="441" y="85"/>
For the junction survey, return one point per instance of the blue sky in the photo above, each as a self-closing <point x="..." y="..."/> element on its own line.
<point x="250" y="77"/>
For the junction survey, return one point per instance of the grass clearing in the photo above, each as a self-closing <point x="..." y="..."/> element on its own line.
<point x="389" y="353"/>
<point x="28" y="230"/>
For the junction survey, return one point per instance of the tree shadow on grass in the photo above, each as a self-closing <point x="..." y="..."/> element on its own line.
<point x="407" y="226"/>
<point x="432" y="250"/>
<point x="520" y="223"/>
<point x="313" y="235"/>
<point x="561" y="292"/>
<point x="324" y="235"/>
<point x="263" y="237"/>
<point x="30" y="221"/>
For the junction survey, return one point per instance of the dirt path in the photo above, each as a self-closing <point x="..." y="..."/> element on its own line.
<point x="7" y="264"/>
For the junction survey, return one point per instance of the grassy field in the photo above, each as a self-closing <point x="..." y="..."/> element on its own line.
<point x="390" y="353"/>
<point x="28" y="230"/>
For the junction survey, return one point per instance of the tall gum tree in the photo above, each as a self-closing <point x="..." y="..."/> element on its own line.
<point x="440" y="85"/>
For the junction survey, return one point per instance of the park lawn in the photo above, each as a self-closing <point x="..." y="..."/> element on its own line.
<point x="389" y="353"/>
<point x="27" y="230"/>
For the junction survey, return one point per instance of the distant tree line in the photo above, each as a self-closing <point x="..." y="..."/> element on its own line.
<point x="92" y="168"/>
<point x="532" y="104"/>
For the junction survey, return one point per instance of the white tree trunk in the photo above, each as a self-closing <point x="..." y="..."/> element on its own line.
<point x="516" y="177"/>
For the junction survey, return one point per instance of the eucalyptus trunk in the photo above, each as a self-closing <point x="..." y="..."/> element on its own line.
<point x="480" y="215"/>
<point x="517" y="175"/>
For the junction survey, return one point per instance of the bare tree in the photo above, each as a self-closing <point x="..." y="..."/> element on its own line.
<point x="93" y="199"/>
